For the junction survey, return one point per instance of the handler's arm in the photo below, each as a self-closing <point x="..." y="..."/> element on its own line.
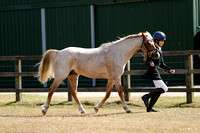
<point x="148" y="62"/>
<point x="164" y="66"/>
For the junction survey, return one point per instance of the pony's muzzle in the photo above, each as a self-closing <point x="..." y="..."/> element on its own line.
<point x="154" y="54"/>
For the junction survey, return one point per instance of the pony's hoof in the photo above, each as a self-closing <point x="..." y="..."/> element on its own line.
<point x="44" y="112"/>
<point x="83" y="112"/>
<point x="96" y="109"/>
<point x="128" y="111"/>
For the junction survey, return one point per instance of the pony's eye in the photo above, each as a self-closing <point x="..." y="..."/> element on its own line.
<point x="149" y="43"/>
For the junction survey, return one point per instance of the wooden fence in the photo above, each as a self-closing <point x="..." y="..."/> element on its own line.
<point x="188" y="71"/>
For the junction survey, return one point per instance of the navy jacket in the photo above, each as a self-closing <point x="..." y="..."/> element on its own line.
<point x="152" y="73"/>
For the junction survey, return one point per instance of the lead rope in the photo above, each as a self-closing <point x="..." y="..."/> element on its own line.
<point x="168" y="77"/>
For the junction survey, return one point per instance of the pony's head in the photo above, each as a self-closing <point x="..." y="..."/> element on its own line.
<point x="148" y="46"/>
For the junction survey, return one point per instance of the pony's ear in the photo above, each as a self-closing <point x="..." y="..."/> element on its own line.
<point x="143" y="35"/>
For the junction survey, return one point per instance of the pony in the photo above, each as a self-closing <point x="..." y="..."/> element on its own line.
<point x="105" y="62"/>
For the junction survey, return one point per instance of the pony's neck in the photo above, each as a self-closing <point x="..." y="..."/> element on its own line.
<point x="129" y="47"/>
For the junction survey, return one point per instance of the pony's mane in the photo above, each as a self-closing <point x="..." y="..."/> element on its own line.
<point x="128" y="37"/>
<point x="124" y="38"/>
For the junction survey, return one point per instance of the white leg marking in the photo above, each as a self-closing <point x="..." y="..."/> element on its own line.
<point x="44" y="108"/>
<point x="97" y="107"/>
<point x="80" y="107"/>
<point x="126" y="108"/>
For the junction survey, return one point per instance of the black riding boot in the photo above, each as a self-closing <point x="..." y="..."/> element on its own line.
<point x="155" y="94"/>
<point x="145" y="99"/>
<point x="151" y="104"/>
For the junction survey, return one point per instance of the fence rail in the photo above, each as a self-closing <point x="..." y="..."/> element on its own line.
<point x="188" y="72"/>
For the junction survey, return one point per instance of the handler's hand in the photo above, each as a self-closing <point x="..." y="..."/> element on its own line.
<point x="152" y="64"/>
<point x="172" y="71"/>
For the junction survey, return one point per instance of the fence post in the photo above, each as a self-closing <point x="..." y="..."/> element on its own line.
<point x="189" y="78"/>
<point x="127" y="82"/>
<point x="69" y="91"/>
<point x="18" y="79"/>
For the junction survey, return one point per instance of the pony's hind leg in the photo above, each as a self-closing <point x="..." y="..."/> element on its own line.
<point x="108" y="91"/>
<point x="73" y="79"/>
<point x="51" y="90"/>
<point x="121" y="95"/>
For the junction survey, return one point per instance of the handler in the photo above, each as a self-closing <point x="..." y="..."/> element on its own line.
<point x="152" y="73"/>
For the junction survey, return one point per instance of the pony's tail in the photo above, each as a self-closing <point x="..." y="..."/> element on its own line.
<point x="45" y="71"/>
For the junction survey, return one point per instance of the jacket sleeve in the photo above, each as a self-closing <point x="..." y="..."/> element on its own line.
<point x="163" y="65"/>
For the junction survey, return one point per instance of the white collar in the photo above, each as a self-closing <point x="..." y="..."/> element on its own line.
<point x="160" y="48"/>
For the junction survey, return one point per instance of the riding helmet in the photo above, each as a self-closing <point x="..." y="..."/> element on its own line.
<point x="159" y="35"/>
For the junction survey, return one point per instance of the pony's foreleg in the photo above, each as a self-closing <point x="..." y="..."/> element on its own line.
<point x="73" y="79"/>
<point x="52" y="89"/>
<point x="108" y="91"/>
<point x="121" y="95"/>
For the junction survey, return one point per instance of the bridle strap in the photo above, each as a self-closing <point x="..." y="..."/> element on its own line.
<point x="143" y="43"/>
<point x="149" y="52"/>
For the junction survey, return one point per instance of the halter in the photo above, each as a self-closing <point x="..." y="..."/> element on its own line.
<point x="145" y="44"/>
<point x="150" y="53"/>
